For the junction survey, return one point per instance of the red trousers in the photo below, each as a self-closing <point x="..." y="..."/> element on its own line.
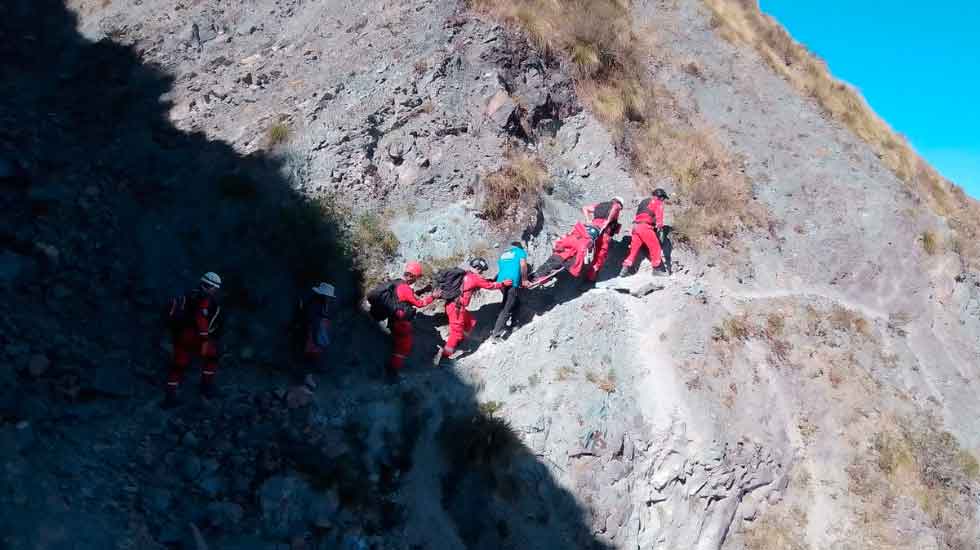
<point x="187" y="346"/>
<point x="461" y="323"/>
<point x="643" y="235"/>
<point x="401" y="339"/>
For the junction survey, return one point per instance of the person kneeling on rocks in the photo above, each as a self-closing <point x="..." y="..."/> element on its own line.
<point x="457" y="287"/>
<point x="193" y="319"/>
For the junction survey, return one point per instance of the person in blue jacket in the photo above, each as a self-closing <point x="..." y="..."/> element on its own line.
<point x="512" y="266"/>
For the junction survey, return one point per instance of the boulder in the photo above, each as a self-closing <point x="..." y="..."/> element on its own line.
<point x="499" y="108"/>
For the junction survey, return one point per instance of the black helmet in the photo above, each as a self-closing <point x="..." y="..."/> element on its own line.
<point x="479" y="264"/>
<point x="660" y="193"/>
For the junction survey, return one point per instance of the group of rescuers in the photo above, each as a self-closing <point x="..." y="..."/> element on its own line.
<point x="194" y="316"/>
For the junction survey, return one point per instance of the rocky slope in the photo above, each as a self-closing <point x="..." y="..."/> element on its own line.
<point x="816" y="389"/>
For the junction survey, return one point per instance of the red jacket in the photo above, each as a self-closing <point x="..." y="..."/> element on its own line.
<point x="406" y="294"/>
<point x="574" y="244"/>
<point x="651" y="211"/>
<point x="473" y="282"/>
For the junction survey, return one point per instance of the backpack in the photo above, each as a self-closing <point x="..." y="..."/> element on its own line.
<point x="450" y="283"/>
<point x="603" y="210"/>
<point x="314" y="316"/>
<point x="384" y="302"/>
<point x="177" y="313"/>
<point x="644" y="207"/>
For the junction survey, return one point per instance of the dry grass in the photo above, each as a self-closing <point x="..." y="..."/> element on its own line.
<point x="490" y="408"/>
<point x="278" y="134"/>
<point x="374" y="245"/>
<point x="564" y="373"/>
<point x="930" y="242"/>
<point x="847" y="320"/>
<point x="742" y="21"/>
<point x="775" y="324"/>
<point x="714" y="195"/>
<point x="778" y="532"/>
<point x="914" y="459"/>
<point x="595" y="39"/>
<point x="519" y="181"/>
<point x="605" y="383"/>
<point x="738" y="328"/>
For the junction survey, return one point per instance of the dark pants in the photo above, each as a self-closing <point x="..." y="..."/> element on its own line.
<point x="510" y="311"/>
<point x="553" y="263"/>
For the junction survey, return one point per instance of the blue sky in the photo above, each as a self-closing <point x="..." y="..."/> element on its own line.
<point x="918" y="65"/>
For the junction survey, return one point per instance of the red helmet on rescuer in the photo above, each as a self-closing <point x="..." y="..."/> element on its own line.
<point x="413" y="268"/>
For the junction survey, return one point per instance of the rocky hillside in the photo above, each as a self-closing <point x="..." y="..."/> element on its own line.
<point x="807" y="378"/>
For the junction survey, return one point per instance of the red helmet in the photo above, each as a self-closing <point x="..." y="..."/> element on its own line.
<point x="413" y="268"/>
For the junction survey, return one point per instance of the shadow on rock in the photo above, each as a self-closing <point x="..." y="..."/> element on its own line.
<point x="113" y="209"/>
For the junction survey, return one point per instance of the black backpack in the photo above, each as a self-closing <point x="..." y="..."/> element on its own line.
<point x="450" y="283"/>
<point x="177" y="314"/>
<point x="384" y="302"/>
<point x="602" y="210"/>
<point x="644" y="207"/>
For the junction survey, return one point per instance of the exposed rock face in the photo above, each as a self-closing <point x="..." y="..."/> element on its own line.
<point x="819" y="391"/>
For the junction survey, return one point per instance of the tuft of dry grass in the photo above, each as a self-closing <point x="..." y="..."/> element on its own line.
<point x="520" y="180"/>
<point x="278" y="134"/>
<point x="564" y="373"/>
<point x="490" y="408"/>
<point x="742" y="21"/>
<point x="605" y="383"/>
<point x="374" y="245"/>
<point x="737" y="328"/>
<point x="775" y="324"/>
<point x="930" y="242"/>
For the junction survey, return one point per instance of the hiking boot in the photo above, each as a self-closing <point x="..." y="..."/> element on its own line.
<point x="659" y="271"/>
<point x="210" y="391"/>
<point x="169" y="400"/>
<point x="625" y="271"/>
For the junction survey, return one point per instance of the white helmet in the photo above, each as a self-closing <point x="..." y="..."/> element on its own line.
<point x="619" y="200"/>
<point x="325" y="289"/>
<point x="211" y="279"/>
